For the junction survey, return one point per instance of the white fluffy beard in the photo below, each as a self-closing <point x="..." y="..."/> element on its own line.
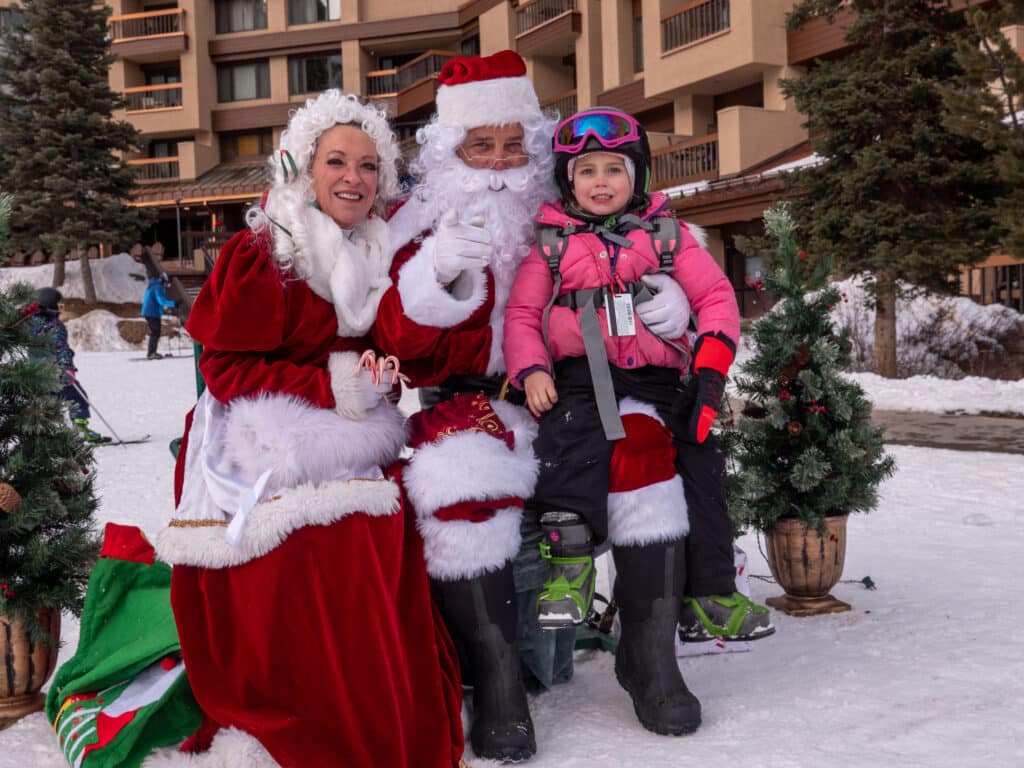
<point x="506" y="200"/>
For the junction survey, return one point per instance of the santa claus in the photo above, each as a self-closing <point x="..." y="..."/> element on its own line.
<point x="484" y="169"/>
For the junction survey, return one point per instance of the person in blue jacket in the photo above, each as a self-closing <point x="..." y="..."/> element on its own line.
<point x="153" y="305"/>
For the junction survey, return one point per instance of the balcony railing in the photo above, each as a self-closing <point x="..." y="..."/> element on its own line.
<point x="693" y="160"/>
<point x="156" y="169"/>
<point x="382" y="82"/>
<point x="565" y="104"/>
<point x="694" y="21"/>
<point x="422" y="67"/>
<point x="131" y="26"/>
<point x="533" y="13"/>
<point x="149" y="97"/>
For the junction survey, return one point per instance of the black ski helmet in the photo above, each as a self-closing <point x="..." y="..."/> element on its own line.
<point x="48" y="298"/>
<point x="603" y="129"/>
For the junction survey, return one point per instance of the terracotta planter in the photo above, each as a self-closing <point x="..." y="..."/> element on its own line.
<point x="807" y="565"/>
<point x="25" y="666"/>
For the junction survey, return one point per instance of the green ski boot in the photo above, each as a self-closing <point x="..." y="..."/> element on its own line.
<point x="731" y="618"/>
<point x="569" y="590"/>
<point x="88" y="435"/>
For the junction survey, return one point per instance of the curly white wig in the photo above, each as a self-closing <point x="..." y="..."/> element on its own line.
<point x="290" y="195"/>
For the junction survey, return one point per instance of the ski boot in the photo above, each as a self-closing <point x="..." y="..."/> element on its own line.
<point x="88" y="435"/>
<point x="731" y="618"/>
<point x="569" y="547"/>
<point x="648" y="587"/>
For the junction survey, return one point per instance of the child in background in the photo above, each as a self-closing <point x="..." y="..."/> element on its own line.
<point x="46" y="321"/>
<point x="153" y="305"/>
<point x="596" y="325"/>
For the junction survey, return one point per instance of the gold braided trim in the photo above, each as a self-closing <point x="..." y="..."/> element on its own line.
<point x="208" y="523"/>
<point x="205" y="523"/>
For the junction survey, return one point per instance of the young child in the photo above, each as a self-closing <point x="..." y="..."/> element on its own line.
<point x="46" y="322"/>
<point x="596" y="324"/>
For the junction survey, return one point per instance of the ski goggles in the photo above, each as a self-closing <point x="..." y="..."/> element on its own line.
<point x="610" y="129"/>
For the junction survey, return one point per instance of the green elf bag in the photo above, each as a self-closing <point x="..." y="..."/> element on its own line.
<point x="124" y="692"/>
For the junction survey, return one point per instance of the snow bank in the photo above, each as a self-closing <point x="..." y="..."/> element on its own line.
<point x="96" y="331"/>
<point x="934" y="334"/>
<point x="118" y="279"/>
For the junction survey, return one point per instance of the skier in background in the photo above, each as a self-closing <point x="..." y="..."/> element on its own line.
<point x="46" y="321"/>
<point x="153" y="305"/>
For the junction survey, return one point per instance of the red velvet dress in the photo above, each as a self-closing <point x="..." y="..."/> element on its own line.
<point x="326" y="648"/>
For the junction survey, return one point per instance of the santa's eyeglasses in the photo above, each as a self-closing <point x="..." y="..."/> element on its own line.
<point x="489" y="160"/>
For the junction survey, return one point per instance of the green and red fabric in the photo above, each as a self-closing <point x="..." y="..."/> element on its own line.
<point x="124" y="692"/>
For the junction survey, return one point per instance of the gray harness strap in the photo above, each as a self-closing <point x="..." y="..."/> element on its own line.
<point x="553" y="242"/>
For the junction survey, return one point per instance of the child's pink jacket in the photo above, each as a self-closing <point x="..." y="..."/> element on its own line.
<point x="587" y="264"/>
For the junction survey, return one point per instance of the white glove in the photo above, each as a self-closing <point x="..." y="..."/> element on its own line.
<point x="459" y="247"/>
<point x="371" y="394"/>
<point x="667" y="314"/>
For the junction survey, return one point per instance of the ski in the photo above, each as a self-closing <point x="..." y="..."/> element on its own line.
<point x="162" y="357"/>
<point x="131" y="441"/>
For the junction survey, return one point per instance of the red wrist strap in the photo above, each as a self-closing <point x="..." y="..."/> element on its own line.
<point x="714" y="354"/>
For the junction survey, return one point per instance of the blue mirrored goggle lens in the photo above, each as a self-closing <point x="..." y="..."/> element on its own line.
<point x="604" y="126"/>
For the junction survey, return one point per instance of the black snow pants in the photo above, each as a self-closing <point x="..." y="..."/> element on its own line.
<point x="575" y="458"/>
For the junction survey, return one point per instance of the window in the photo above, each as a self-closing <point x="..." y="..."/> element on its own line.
<point x="246" y="146"/>
<point x="312" y="74"/>
<point x="11" y="19"/>
<point x="470" y="46"/>
<point x="164" y="148"/>
<point x="247" y="80"/>
<point x="240" y="15"/>
<point x="312" y="11"/>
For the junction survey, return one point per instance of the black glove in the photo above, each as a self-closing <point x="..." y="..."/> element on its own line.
<point x="710" y="388"/>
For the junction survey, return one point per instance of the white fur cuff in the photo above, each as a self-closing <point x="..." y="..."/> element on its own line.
<point x="347" y="386"/>
<point x="648" y="515"/>
<point x="426" y="302"/>
<point x="471" y="466"/>
<point x="459" y="549"/>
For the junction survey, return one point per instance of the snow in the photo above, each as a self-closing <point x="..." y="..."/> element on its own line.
<point x="112" y="277"/>
<point x="925" y="671"/>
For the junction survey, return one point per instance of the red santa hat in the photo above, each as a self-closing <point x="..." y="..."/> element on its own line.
<point x="486" y="90"/>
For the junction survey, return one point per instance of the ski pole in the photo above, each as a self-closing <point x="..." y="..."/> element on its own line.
<point x="96" y="411"/>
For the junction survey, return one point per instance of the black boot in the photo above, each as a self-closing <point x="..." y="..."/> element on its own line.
<point x="648" y="588"/>
<point x="481" y="617"/>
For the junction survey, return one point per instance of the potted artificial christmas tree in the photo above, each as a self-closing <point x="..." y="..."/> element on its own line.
<point x="47" y="545"/>
<point x="807" y="454"/>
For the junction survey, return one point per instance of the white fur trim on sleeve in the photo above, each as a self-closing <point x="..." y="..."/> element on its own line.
<point x="459" y="549"/>
<point x="630" y="405"/>
<point x="426" y="302"/>
<point x="303" y="444"/>
<point x="699" y="234"/>
<point x="346" y="385"/>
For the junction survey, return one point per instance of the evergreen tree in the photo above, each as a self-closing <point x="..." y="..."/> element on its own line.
<point x="47" y="542"/>
<point x="987" y="101"/>
<point x="805" y="447"/>
<point x="900" y="196"/>
<point x="63" y="151"/>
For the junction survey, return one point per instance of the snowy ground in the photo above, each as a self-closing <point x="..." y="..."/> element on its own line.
<point x="926" y="671"/>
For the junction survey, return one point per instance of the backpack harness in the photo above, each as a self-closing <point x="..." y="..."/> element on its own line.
<point x="553" y="241"/>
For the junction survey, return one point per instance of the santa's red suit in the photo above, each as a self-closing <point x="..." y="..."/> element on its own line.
<point x="299" y="587"/>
